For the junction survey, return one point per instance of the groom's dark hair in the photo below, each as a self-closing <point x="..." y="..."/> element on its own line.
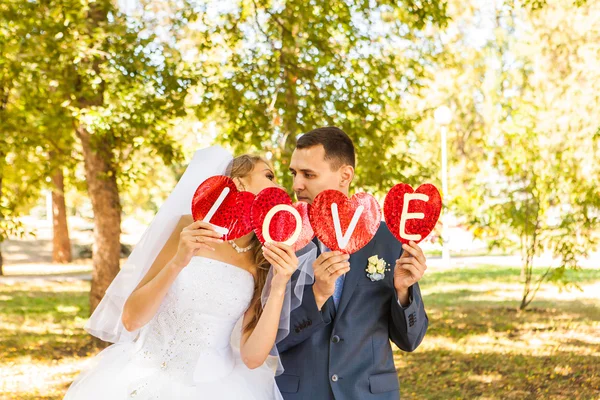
<point x="338" y="146"/>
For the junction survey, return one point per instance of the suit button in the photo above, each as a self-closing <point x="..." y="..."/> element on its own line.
<point x="334" y="378"/>
<point x="335" y="339"/>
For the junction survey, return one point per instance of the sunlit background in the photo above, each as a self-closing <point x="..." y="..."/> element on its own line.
<point x="496" y="102"/>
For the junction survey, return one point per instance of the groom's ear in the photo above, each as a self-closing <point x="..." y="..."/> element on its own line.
<point x="346" y="175"/>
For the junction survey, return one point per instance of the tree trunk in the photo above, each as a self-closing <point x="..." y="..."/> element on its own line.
<point x="3" y="103"/>
<point x="99" y="167"/>
<point x="104" y="194"/>
<point x="1" y="216"/>
<point x="525" y="297"/>
<point x="61" y="244"/>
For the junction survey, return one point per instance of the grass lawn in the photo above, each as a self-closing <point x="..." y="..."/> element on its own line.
<point x="477" y="345"/>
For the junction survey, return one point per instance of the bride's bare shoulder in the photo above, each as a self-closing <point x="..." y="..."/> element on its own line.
<point x="168" y="251"/>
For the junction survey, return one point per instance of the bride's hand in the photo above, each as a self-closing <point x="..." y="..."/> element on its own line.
<point x="194" y="237"/>
<point x="284" y="261"/>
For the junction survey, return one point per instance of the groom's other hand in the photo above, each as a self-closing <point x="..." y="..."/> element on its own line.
<point x="328" y="267"/>
<point x="410" y="268"/>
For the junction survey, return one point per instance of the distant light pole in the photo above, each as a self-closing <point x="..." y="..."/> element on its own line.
<point x="443" y="117"/>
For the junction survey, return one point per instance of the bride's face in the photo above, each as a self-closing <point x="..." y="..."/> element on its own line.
<point x="261" y="177"/>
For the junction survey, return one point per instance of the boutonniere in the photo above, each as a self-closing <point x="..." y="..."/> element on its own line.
<point x="376" y="268"/>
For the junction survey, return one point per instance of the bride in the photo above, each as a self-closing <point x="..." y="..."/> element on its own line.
<point x="174" y="310"/>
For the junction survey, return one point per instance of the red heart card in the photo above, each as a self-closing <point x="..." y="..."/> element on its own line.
<point x="412" y="214"/>
<point x="342" y="223"/>
<point x="275" y="218"/>
<point x="218" y="201"/>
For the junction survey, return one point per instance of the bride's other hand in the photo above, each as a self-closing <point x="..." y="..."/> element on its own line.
<point x="284" y="261"/>
<point x="196" y="236"/>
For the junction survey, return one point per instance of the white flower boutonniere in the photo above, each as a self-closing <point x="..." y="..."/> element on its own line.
<point x="376" y="268"/>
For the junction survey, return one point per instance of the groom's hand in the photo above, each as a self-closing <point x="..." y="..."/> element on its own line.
<point x="328" y="267"/>
<point x="410" y="268"/>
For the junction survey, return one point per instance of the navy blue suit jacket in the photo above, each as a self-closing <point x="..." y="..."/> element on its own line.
<point x="346" y="354"/>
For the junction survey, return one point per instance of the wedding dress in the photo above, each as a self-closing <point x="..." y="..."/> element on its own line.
<point x="185" y="351"/>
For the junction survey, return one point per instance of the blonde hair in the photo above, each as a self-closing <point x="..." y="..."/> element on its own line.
<point x="241" y="167"/>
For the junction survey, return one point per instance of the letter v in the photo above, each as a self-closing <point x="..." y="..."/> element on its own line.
<point x="343" y="240"/>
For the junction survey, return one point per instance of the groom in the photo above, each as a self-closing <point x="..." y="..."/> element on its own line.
<point x="339" y="341"/>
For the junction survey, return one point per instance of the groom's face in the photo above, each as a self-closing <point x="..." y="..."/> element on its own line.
<point x="313" y="174"/>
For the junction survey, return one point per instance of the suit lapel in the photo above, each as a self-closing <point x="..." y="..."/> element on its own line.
<point x="358" y="263"/>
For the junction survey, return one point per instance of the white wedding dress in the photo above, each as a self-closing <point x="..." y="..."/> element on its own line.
<point x="185" y="351"/>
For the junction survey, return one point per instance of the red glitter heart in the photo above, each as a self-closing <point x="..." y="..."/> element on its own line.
<point x="283" y="224"/>
<point x="427" y="205"/>
<point x="234" y="211"/>
<point x="324" y="222"/>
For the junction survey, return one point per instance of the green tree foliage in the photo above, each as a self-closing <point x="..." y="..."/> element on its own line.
<point x="92" y="79"/>
<point x="275" y="70"/>
<point x="524" y="91"/>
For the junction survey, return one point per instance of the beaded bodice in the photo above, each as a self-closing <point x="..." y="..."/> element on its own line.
<point x="189" y="337"/>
